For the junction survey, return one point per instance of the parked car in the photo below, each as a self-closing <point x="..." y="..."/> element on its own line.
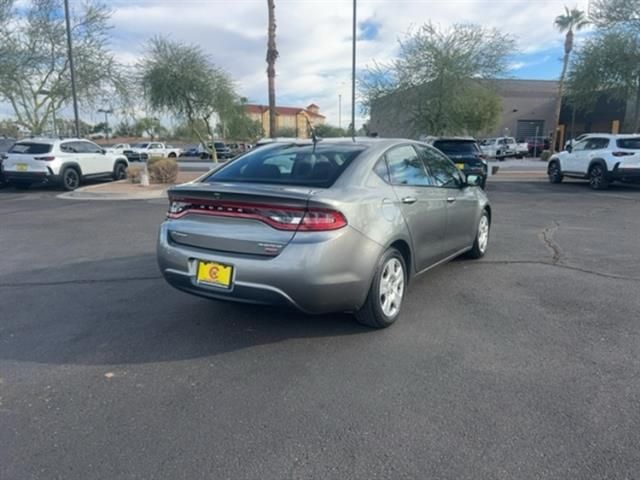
<point x="465" y="153"/>
<point x="537" y="145"/>
<point x="238" y="148"/>
<point x="499" y="148"/>
<point x="191" y="151"/>
<point x="223" y="152"/>
<point x="601" y="159"/>
<point x="146" y="150"/>
<point x="5" y="145"/>
<point x="522" y="148"/>
<point x="341" y="225"/>
<point x="118" y="148"/>
<point x="67" y="162"/>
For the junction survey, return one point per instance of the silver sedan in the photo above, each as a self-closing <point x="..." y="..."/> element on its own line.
<point x="336" y="225"/>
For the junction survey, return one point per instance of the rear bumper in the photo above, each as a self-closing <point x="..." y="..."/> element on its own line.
<point x="316" y="273"/>
<point x="628" y="175"/>
<point x="30" y="177"/>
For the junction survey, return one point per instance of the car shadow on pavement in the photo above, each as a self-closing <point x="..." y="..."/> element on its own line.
<point x="120" y="311"/>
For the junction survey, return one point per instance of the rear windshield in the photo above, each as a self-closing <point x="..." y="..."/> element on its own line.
<point x="456" y="146"/>
<point x="629" y="143"/>
<point x="289" y="164"/>
<point x="30" y="148"/>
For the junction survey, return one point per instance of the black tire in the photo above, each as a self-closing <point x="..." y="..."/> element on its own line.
<point x="372" y="313"/>
<point x="21" y="185"/>
<point x="119" y="171"/>
<point x="479" y="245"/>
<point x="483" y="183"/>
<point x="172" y="155"/>
<point x="70" y="179"/>
<point x="598" y="177"/>
<point x="554" y="173"/>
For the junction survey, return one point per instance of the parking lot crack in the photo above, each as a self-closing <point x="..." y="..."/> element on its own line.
<point x="546" y="236"/>
<point x="564" y="266"/>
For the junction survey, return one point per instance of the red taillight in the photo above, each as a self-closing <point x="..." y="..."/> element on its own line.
<point x="621" y="154"/>
<point x="46" y="159"/>
<point x="278" y="217"/>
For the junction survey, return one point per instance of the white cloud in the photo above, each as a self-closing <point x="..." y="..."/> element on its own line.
<point x="314" y="37"/>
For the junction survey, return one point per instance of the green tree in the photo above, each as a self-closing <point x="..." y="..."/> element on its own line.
<point x="34" y="68"/>
<point x="150" y="127"/>
<point x="327" y="131"/>
<point x="622" y="18"/>
<point x="438" y="75"/>
<point x="180" y="79"/>
<point x="607" y="64"/>
<point x="570" y="21"/>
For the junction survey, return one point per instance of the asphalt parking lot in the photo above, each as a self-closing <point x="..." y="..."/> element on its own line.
<point x="525" y="364"/>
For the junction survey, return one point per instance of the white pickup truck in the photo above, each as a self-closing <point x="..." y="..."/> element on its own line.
<point x="152" y="150"/>
<point x="500" y="148"/>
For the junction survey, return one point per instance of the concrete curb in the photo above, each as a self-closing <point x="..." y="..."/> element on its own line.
<point x="87" y="193"/>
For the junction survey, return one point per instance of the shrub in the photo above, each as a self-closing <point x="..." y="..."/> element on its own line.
<point x="545" y="155"/>
<point x="163" y="170"/>
<point x="134" y="173"/>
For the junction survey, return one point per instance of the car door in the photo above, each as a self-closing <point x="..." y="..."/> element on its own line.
<point x="572" y="161"/>
<point x="461" y="201"/>
<point x="93" y="158"/>
<point x="593" y="149"/>
<point x="156" y="150"/>
<point x="422" y="205"/>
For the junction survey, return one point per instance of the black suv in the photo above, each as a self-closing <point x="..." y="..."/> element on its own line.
<point x="465" y="153"/>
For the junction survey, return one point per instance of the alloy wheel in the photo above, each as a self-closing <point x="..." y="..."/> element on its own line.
<point x="596" y="176"/>
<point x="483" y="234"/>
<point x="391" y="287"/>
<point x="71" y="179"/>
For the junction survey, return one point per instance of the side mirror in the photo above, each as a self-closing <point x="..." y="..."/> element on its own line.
<point x="474" y="180"/>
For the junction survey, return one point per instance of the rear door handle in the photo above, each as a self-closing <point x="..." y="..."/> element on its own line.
<point x="409" y="200"/>
<point x="451" y="199"/>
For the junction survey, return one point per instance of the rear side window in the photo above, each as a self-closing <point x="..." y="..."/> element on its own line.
<point x="406" y="168"/>
<point x="290" y="165"/>
<point x="31" y="148"/>
<point x="629" y="143"/>
<point x="456" y="146"/>
<point x="597" y="143"/>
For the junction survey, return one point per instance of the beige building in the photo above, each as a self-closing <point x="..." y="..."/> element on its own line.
<point x="290" y="118"/>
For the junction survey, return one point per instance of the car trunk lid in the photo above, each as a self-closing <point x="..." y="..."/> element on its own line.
<point x="240" y="218"/>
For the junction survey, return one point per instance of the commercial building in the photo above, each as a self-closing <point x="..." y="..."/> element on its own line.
<point x="291" y="119"/>
<point x="528" y="108"/>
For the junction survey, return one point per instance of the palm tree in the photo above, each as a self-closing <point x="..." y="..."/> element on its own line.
<point x="272" y="55"/>
<point x="572" y="20"/>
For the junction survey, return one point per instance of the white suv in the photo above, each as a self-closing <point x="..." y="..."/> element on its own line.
<point x="66" y="162"/>
<point x="601" y="159"/>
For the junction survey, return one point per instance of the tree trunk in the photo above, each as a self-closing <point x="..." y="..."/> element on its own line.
<point x="556" y="118"/>
<point x="272" y="55"/>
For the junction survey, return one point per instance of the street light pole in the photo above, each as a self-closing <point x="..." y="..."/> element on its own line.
<point x="72" y="68"/>
<point x="353" y="74"/>
<point x="340" y="110"/>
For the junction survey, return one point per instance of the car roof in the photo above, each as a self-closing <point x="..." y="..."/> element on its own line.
<point x="454" y="139"/>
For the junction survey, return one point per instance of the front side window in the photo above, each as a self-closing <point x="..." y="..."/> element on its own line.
<point x="578" y="147"/>
<point x="597" y="143"/>
<point x="156" y="145"/>
<point x="91" y="147"/>
<point x="406" y="168"/>
<point x="290" y="164"/>
<point x="443" y="171"/>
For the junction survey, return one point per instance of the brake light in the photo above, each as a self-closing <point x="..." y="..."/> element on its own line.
<point x="46" y="159"/>
<point x="621" y="154"/>
<point x="276" y="216"/>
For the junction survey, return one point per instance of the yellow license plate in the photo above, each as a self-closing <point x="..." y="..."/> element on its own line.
<point x="214" y="273"/>
<point x="22" y="167"/>
<point x="460" y="166"/>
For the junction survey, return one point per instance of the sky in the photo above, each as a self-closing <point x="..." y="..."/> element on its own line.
<point x="314" y="39"/>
